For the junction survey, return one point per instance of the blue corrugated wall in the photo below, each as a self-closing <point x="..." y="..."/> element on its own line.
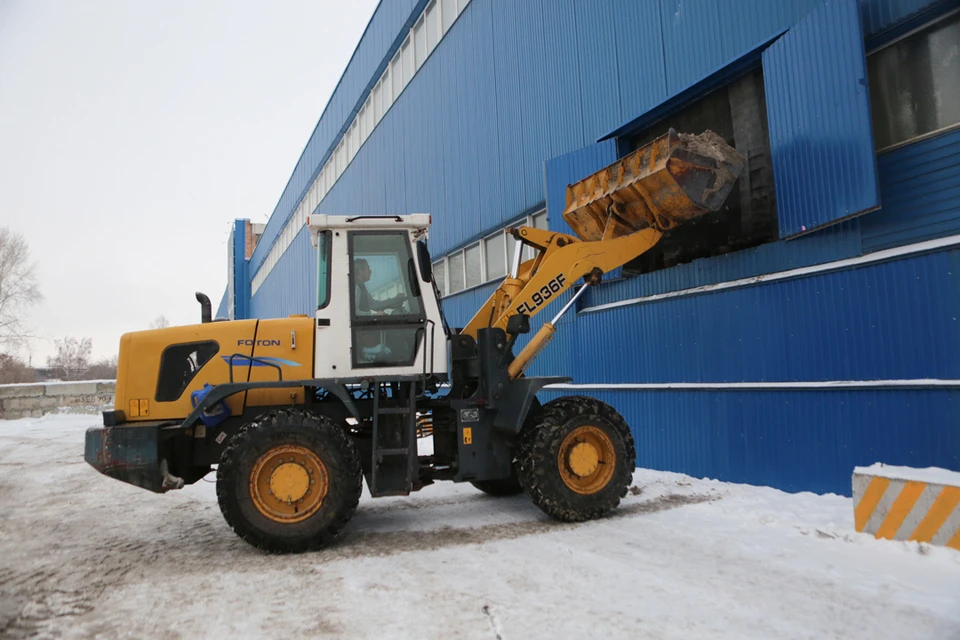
<point x="818" y="108"/>
<point x="515" y="84"/>
<point x="791" y="440"/>
<point x="920" y="191"/>
<point x="292" y="285"/>
<point x="222" y="307"/>
<point x="510" y="86"/>
<point x="378" y="40"/>
<point x="525" y="81"/>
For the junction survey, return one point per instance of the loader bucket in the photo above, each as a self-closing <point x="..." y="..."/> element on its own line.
<point x="673" y="179"/>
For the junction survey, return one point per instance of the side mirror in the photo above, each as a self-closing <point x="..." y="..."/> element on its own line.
<point x="518" y="324"/>
<point x="423" y="257"/>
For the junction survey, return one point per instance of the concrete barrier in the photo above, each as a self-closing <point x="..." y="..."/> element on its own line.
<point x="901" y="503"/>
<point x="35" y="400"/>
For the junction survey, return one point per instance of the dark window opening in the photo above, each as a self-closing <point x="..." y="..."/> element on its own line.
<point x="738" y="114"/>
<point x="179" y="365"/>
<point x="915" y="84"/>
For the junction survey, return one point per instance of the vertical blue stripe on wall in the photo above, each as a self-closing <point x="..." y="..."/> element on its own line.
<point x="818" y="108"/>
<point x="241" y="281"/>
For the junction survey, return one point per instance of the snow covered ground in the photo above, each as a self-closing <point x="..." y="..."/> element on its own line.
<point x="82" y="555"/>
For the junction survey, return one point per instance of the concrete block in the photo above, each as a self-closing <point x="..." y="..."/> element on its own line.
<point x="35" y="400"/>
<point x="97" y="400"/>
<point x="21" y="390"/>
<point x="71" y="389"/>
<point x="902" y="503"/>
<point x="27" y="404"/>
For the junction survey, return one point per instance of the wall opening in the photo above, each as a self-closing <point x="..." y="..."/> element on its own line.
<point x="737" y="113"/>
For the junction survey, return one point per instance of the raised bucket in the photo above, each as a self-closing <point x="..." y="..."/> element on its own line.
<point x="668" y="181"/>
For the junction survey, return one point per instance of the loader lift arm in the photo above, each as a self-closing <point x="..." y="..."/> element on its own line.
<point x="619" y="213"/>
<point x="561" y="260"/>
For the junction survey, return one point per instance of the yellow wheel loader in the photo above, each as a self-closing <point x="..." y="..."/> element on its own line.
<point x="296" y="412"/>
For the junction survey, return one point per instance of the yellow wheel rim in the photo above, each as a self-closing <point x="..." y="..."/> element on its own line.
<point x="288" y="484"/>
<point x="586" y="460"/>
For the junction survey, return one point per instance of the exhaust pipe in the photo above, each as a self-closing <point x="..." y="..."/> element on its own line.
<point x="206" y="314"/>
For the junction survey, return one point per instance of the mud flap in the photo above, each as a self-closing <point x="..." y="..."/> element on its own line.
<point x="127" y="453"/>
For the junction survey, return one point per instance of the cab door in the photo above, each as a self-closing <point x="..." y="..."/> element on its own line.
<point x="388" y="326"/>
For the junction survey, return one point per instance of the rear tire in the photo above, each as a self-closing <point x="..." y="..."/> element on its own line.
<point x="289" y="481"/>
<point x="577" y="460"/>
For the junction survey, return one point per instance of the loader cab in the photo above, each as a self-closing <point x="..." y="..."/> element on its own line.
<point x="377" y="313"/>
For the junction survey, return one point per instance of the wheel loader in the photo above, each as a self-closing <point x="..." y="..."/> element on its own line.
<point x="295" y="413"/>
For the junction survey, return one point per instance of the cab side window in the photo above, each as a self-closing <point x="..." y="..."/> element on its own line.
<point x="179" y="364"/>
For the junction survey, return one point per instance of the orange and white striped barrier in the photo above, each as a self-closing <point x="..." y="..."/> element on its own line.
<point x="901" y="503"/>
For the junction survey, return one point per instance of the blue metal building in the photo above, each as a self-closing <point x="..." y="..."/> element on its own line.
<point x="811" y="328"/>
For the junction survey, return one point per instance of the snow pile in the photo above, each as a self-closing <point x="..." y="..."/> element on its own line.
<point x="930" y="475"/>
<point x="82" y="555"/>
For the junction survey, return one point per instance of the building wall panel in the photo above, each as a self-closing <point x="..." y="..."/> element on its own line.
<point x="292" y="285"/>
<point x="540" y="112"/>
<point x="920" y="192"/>
<point x="884" y="321"/>
<point x="222" y="307"/>
<point x="640" y="70"/>
<point x="598" y="66"/>
<point x="818" y="107"/>
<point x="564" y="91"/>
<point x="794" y="440"/>
<point x="511" y="146"/>
<point x="880" y="14"/>
<point x="560" y="102"/>
<point x="478" y="121"/>
<point x="833" y="243"/>
<point x="378" y="39"/>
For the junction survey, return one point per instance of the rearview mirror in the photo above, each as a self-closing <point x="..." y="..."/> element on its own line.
<point x="423" y="257"/>
<point x="518" y="324"/>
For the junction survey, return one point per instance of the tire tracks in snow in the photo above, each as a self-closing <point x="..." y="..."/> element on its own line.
<point x="387" y="543"/>
<point x="70" y="539"/>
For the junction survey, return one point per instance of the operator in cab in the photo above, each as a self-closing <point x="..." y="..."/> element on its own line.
<point x="366" y="303"/>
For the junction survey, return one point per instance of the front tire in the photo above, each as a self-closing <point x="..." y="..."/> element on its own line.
<point x="289" y="481"/>
<point x="577" y="460"/>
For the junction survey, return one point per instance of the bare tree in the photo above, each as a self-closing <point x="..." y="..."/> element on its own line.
<point x="18" y="288"/>
<point x="103" y="369"/>
<point x="160" y="322"/>
<point x="13" y="370"/>
<point x="72" y="360"/>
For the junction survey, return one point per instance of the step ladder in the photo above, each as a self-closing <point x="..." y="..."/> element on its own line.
<point x="395" y="464"/>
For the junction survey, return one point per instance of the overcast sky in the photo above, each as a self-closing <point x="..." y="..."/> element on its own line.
<point x="133" y="133"/>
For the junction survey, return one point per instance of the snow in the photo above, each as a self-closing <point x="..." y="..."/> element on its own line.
<point x="55" y="383"/>
<point x="931" y="475"/>
<point x="83" y="555"/>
